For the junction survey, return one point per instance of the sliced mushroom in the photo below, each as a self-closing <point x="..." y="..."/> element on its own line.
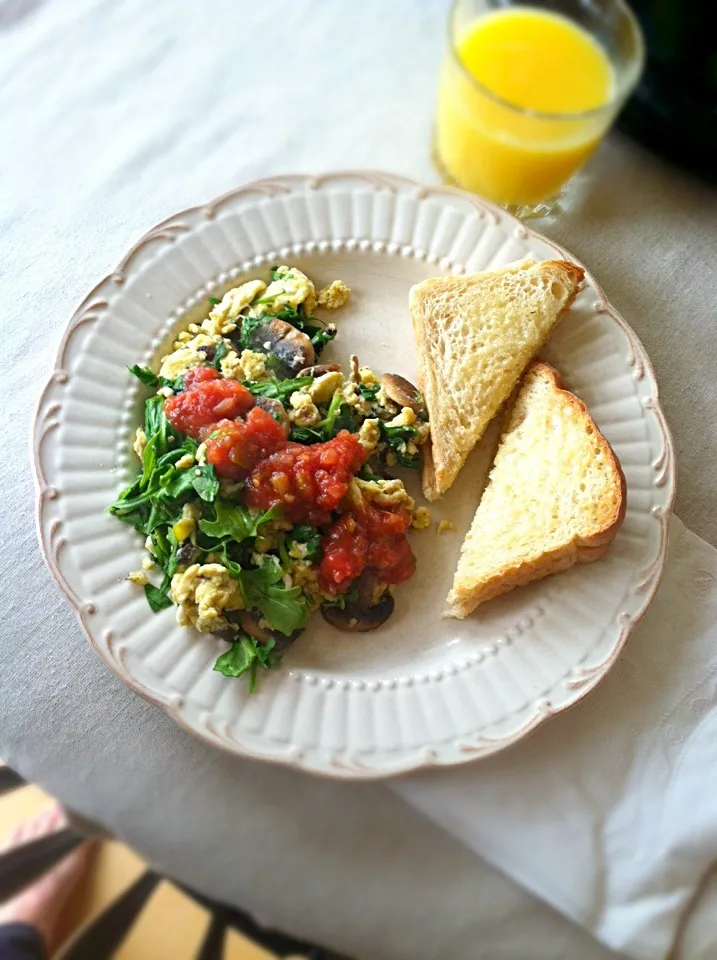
<point x="360" y="617"/>
<point x="275" y="408"/>
<point x="402" y="391"/>
<point x="291" y="347"/>
<point x="353" y="619"/>
<point x="319" y="370"/>
<point x="249" y="624"/>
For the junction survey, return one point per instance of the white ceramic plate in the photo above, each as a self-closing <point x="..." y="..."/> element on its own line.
<point x="422" y="691"/>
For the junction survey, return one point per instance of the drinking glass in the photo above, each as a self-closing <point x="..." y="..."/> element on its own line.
<point x="518" y="157"/>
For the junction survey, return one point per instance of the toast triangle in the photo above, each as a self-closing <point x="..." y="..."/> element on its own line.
<point x="475" y="335"/>
<point x="555" y="496"/>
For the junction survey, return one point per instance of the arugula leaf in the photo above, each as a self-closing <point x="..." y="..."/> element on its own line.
<point x="149" y="462"/>
<point x="214" y="301"/>
<point x="144" y="374"/>
<point x="303" y="533"/>
<point x="305" y="435"/>
<point x="369" y="391"/>
<point x="248" y="326"/>
<point x="321" y="338"/>
<point x="279" y="605"/>
<point x="220" y="351"/>
<point x="150" y="379"/>
<point x="157" y="597"/>
<point x="277" y="389"/>
<point x="234" y="521"/>
<point x="276" y="274"/>
<point x="339" y="416"/>
<point x="248" y="655"/>
<point x="396" y="438"/>
<point x="207" y="483"/>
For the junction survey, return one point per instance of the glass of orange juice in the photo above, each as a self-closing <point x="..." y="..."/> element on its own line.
<point x="527" y="92"/>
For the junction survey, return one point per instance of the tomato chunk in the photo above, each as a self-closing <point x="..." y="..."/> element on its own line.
<point x="367" y="538"/>
<point x="198" y="375"/>
<point x="308" y="481"/>
<point x="235" y="446"/>
<point x="345" y="552"/>
<point x="207" y="402"/>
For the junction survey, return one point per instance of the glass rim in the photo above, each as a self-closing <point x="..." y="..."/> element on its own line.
<point x="619" y="97"/>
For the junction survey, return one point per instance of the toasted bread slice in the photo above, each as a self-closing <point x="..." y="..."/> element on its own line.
<point x="555" y="497"/>
<point x="475" y="336"/>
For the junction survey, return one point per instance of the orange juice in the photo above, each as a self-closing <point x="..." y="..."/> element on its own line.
<point x="524" y="106"/>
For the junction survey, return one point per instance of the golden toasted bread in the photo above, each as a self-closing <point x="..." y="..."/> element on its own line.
<point x="555" y="497"/>
<point x="475" y="336"/>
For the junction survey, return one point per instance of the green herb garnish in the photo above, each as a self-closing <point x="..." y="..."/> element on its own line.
<point x="369" y="391"/>
<point x="304" y="533"/>
<point x="220" y="351"/>
<point x="247" y="655"/>
<point x="234" y="521"/>
<point x="277" y="389"/>
<point x="261" y="588"/>
<point x="150" y="379"/>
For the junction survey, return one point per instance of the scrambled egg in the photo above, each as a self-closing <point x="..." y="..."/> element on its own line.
<point x="369" y="435"/>
<point x="445" y="525"/>
<point x="139" y="577"/>
<point x="140" y="442"/>
<point x="354" y="399"/>
<point x="187" y="356"/>
<point x="421" y="518"/>
<point x="304" y="412"/>
<point x="291" y="288"/>
<point x="248" y="366"/>
<point x="185" y="462"/>
<point x="222" y="319"/>
<point x="324" y="387"/>
<point x="203" y="594"/>
<point x="385" y="493"/>
<point x="335" y="295"/>
<point x="406" y="418"/>
<point x="367" y="376"/>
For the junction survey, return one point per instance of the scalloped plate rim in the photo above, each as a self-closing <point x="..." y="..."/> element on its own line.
<point x="428" y="756"/>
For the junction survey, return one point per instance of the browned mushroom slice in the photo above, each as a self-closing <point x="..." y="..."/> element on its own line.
<point x="289" y="345"/>
<point x="355" y="619"/>
<point x="275" y="408"/>
<point x="402" y="391"/>
<point x="249" y="624"/>
<point x="319" y="370"/>
<point x="360" y="616"/>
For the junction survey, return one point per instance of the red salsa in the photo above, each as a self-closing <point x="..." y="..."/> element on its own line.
<point x="367" y="538"/>
<point x="308" y="481"/>
<point x="244" y="442"/>
<point x="206" y="400"/>
<point x="235" y="446"/>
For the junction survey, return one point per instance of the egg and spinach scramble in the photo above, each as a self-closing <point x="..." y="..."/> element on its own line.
<point x="265" y="489"/>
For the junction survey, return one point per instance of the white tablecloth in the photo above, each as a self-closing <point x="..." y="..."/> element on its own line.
<point x="112" y="116"/>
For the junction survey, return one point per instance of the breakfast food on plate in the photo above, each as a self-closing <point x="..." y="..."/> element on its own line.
<point x="475" y="335"/>
<point x="263" y="492"/>
<point x="555" y="497"/>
